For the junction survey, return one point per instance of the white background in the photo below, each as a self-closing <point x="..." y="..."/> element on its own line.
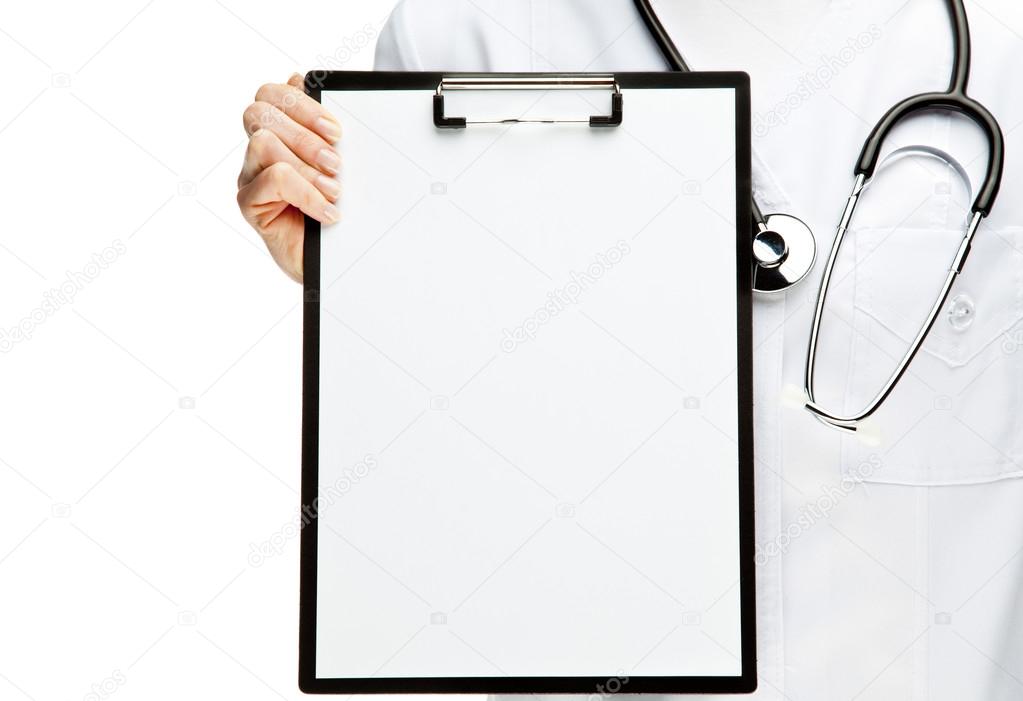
<point x="98" y="458"/>
<point x="149" y="429"/>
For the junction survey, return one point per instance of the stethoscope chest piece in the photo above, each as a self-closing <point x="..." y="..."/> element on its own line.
<point x="783" y="253"/>
<point x="783" y="246"/>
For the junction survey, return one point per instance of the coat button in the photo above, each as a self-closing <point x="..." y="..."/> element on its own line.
<point x="962" y="312"/>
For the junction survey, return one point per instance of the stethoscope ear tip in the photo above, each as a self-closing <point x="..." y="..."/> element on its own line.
<point x="868" y="432"/>
<point x="867" y="429"/>
<point x="793" y="396"/>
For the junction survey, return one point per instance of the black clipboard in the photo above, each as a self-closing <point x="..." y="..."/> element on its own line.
<point x="310" y="681"/>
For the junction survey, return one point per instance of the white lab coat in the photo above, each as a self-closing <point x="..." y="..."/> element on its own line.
<point x="907" y="582"/>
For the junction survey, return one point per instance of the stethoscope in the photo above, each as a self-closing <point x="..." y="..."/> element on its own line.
<point x="783" y="246"/>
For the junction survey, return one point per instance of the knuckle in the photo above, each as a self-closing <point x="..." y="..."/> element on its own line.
<point x="259" y="115"/>
<point x="251" y="117"/>
<point x="278" y="172"/>
<point x="291" y="99"/>
<point x="261" y="142"/>
<point x="264" y="92"/>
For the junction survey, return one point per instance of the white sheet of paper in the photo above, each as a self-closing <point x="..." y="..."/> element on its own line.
<point x="528" y="458"/>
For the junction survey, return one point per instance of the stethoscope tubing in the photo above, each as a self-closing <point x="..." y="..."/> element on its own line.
<point x="675" y="60"/>
<point x="953" y="99"/>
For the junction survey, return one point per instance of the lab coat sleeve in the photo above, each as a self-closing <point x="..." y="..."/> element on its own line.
<point x="396" y="47"/>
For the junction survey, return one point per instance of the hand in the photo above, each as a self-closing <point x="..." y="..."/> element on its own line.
<point x="289" y="169"/>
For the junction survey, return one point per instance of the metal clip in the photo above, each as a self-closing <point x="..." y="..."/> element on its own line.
<point x="528" y="81"/>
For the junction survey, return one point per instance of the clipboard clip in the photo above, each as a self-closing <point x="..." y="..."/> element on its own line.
<point x="527" y="81"/>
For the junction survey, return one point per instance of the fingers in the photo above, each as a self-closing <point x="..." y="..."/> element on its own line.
<point x="293" y="101"/>
<point x="287" y="169"/>
<point x="261" y="199"/>
<point x="305" y="144"/>
<point x="266" y="148"/>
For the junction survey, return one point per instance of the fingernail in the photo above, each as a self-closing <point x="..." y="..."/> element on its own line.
<point x="330" y="214"/>
<point x="328" y="160"/>
<point x="330" y="187"/>
<point x="328" y="129"/>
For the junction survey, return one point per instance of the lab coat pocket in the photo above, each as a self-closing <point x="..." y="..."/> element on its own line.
<point x="956" y="416"/>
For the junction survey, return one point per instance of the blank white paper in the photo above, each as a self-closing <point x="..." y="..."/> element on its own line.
<point x="528" y="457"/>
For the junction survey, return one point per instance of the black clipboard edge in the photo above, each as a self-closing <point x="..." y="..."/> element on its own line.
<point x="746" y="682"/>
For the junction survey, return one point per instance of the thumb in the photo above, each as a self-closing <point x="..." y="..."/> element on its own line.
<point x="296" y="81"/>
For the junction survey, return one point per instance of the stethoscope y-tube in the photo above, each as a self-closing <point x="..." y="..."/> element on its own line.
<point x="953" y="99"/>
